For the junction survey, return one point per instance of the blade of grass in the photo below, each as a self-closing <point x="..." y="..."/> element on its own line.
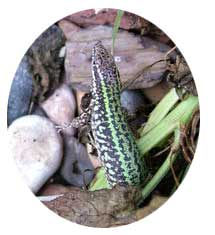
<point x="181" y="114"/>
<point x="116" y="27"/>
<point x="160" y="111"/>
<point x="100" y="181"/>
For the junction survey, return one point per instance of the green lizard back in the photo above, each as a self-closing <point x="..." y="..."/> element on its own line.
<point x="114" y="141"/>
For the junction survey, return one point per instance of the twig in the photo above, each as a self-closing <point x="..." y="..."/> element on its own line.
<point x="173" y="172"/>
<point x="169" y="52"/>
<point x="129" y="83"/>
<point x="160" y="152"/>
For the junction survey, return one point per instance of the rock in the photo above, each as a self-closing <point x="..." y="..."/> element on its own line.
<point x="21" y="92"/>
<point x="76" y="167"/>
<point x="134" y="103"/>
<point x="41" y="64"/>
<point x="36" y="148"/>
<point x="134" y="57"/>
<point x="60" y="107"/>
<point x="132" y="100"/>
<point x="47" y="61"/>
<point x="90" y="17"/>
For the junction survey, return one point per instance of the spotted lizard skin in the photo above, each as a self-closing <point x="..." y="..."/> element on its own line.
<point x="114" y="141"/>
<point x="113" y="138"/>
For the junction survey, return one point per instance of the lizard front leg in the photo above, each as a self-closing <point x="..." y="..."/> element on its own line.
<point x="84" y="118"/>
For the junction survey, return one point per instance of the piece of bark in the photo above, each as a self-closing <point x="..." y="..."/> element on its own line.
<point x="44" y="56"/>
<point x="134" y="57"/>
<point x="102" y="208"/>
<point x="106" y="16"/>
<point x="180" y="76"/>
<point x="68" y="28"/>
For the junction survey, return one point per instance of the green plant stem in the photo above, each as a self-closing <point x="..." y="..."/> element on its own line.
<point x="165" y="167"/>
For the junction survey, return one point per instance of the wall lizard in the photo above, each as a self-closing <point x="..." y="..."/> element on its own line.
<point x="113" y="138"/>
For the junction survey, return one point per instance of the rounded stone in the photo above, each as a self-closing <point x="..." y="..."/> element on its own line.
<point x="132" y="100"/>
<point x="36" y="148"/>
<point x="76" y="167"/>
<point x="20" y="92"/>
<point x="60" y="107"/>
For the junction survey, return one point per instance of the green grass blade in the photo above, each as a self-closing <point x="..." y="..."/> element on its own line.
<point x="100" y="181"/>
<point x="181" y="114"/>
<point x="160" y="111"/>
<point x="116" y="27"/>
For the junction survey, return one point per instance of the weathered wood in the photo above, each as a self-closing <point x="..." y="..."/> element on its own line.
<point x="101" y="208"/>
<point x="133" y="54"/>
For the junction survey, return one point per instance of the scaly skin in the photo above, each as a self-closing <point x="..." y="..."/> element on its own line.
<point x="114" y="141"/>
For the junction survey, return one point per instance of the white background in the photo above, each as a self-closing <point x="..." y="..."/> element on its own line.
<point x="190" y="25"/>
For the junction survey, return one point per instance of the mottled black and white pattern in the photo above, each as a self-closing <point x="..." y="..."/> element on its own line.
<point x="115" y="143"/>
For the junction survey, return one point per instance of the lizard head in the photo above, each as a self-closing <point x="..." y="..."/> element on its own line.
<point x="103" y="63"/>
